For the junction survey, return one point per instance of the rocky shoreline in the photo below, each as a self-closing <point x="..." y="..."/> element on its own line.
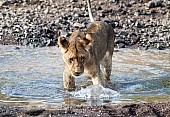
<point x="113" y="110"/>
<point x="143" y="24"/>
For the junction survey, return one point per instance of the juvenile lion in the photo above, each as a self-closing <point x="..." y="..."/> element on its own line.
<point x="89" y="52"/>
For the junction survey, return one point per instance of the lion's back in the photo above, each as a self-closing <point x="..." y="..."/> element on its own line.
<point x="103" y="38"/>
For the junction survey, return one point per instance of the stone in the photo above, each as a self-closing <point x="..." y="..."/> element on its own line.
<point x="73" y="0"/>
<point x="46" y="11"/>
<point x="78" y="25"/>
<point x="121" y="45"/>
<point x="160" y="46"/>
<point x="63" y="33"/>
<point x="1" y="3"/>
<point x="134" y="38"/>
<point x="139" y="25"/>
<point x="136" y="13"/>
<point x="115" y="1"/>
<point x="5" y="2"/>
<point x="168" y="4"/>
<point x="154" y="3"/>
<point x="50" y="43"/>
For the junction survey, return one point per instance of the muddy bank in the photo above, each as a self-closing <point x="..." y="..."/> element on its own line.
<point x="117" y="110"/>
<point x="140" y="24"/>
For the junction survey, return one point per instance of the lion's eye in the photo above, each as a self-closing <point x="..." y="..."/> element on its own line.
<point x="71" y="60"/>
<point x="82" y="58"/>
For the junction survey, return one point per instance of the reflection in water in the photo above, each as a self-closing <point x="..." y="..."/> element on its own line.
<point x="34" y="76"/>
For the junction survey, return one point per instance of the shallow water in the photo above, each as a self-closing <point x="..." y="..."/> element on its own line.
<point x="34" y="77"/>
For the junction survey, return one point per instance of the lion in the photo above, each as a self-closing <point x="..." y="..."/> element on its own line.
<point x="88" y="52"/>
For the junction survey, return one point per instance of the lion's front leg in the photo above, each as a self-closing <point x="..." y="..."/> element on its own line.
<point x="97" y="80"/>
<point x="68" y="80"/>
<point x="98" y="77"/>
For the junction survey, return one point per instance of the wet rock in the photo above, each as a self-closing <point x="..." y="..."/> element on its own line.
<point x="160" y="46"/>
<point x="17" y="48"/>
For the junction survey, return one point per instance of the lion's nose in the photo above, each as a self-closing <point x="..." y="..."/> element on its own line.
<point x="77" y="73"/>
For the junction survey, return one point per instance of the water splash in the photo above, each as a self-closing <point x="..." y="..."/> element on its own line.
<point x="95" y="92"/>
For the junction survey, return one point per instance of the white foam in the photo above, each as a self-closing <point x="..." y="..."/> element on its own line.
<point x="95" y="92"/>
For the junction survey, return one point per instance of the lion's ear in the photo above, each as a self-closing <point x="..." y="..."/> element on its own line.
<point x="89" y="42"/>
<point x="86" y="41"/>
<point x="63" y="44"/>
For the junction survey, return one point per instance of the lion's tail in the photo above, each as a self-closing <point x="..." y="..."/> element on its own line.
<point x="89" y="10"/>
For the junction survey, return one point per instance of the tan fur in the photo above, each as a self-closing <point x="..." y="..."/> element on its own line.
<point x="89" y="52"/>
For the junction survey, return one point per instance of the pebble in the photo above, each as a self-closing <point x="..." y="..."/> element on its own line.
<point x="155" y="3"/>
<point x="78" y="25"/>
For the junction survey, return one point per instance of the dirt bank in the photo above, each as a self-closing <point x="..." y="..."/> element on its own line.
<point x="114" y="110"/>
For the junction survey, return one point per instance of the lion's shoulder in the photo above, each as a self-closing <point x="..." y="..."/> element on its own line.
<point x="94" y="27"/>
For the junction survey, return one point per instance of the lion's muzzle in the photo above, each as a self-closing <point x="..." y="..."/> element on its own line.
<point x="78" y="71"/>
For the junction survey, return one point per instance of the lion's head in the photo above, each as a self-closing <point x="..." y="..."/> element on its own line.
<point x="76" y="51"/>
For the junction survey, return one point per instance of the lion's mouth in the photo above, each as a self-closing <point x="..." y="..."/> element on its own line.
<point x="77" y="73"/>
